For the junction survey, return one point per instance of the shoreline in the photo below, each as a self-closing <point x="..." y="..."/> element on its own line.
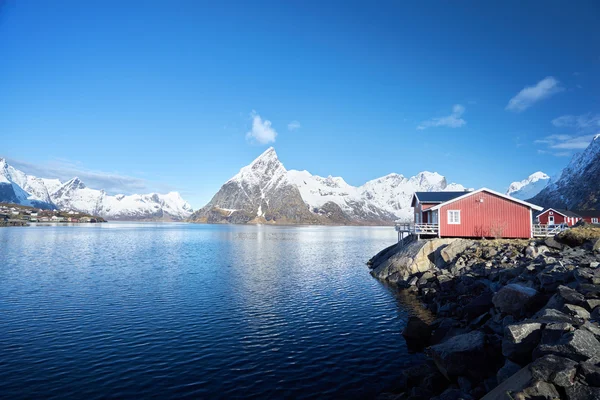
<point x="516" y="317"/>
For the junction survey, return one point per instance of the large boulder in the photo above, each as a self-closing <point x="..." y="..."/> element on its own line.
<point x="520" y="340"/>
<point x="514" y="299"/>
<point x="450" y="252"/>
<point x="398" y="263"/>
<point x="557" y="370"/>
<point x="582" y="392"/>
<point x="590" y="373"/>
<point x="579" y="345"/>
<point x="537" y="390"/>
<point x="465" y="355"/>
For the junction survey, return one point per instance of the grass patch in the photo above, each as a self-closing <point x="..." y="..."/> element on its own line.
<point x="579" y="235"/>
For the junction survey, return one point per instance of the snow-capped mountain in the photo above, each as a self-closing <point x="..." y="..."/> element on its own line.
<point x="265" y="191"/>
<point x="529" y="187"/>
<point x="578" y="186"/>
<point x="18" y="187"/>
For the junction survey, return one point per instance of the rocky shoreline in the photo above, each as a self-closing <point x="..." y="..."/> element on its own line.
<point x="516" y="319"/>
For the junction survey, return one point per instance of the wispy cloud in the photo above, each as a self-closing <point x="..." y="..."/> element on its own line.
<point x="532" y="94"/>
<point x="564" y="142"/>
<point x="262" y="131"/>
<point x="453" y="120"/>
<point x="294" y="125"/>
<point x="111" y="182"/>
<point x="585" y="122"/>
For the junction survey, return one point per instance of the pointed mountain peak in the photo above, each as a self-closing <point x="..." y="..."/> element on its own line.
<point x="536" y="176"/>
<point x="268" y="154"/>
<point x="75" y="183"/>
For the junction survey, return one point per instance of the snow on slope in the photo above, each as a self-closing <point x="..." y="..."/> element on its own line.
<point x="529" y="187"/>
<point x="391" y="193"/>
<point x="75" y="195"/>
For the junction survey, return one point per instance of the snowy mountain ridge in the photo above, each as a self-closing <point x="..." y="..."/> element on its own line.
<point x="18" y="187"/>
<point x="578" y="186"/>
<point x="528" y="187"/>
<point x="264" y="191"/>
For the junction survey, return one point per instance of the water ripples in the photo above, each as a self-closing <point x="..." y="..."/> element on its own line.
<point x="187" y="311"/>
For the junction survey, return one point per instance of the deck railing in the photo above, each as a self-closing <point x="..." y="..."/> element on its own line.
<point x="419" y="229"/>
<point x="540" y="230"/>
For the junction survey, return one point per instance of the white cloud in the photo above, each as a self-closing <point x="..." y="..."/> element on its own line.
<point x="584" y="122"/>
<point x="111" y="182"/>
<point x="453" y="120"/>
<point x="294" y="125"/>
<point x="532" y="94"/>
<point x="566" y="143"/>
<point x="262" y="131"/>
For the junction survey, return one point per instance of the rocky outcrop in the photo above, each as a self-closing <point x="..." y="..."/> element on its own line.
<point x="514" y="318"/>
<point x="398" y="262"/>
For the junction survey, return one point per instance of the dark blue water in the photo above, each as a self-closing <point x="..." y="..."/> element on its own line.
<point x="134" y="311"/>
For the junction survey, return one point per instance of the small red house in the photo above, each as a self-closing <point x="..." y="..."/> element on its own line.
<point x="478" y="213"/>
<point x="557" y="216"/>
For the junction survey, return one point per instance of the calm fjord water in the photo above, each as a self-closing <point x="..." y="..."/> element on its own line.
<point x="196" y="311"/>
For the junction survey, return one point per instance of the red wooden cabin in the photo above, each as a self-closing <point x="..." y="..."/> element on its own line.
<point x="557" y="216"/>
<point x="479" y="213"/>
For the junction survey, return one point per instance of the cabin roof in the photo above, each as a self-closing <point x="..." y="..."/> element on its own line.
<point x="588" y="213"/>
<point x="437" y="197"/>
<point x="467" y="194"/>
<point x="565" y="213"/>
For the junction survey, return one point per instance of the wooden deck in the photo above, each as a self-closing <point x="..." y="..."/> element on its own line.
<point x="540" y="230"/>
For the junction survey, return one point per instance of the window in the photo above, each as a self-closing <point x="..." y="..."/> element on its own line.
<point x="594" y="220"/>
<point x="453" y="217"/>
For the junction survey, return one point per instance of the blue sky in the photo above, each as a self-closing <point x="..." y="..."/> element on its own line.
<point x="154" y="95"/>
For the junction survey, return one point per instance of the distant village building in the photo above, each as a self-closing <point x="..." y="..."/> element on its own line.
<point x="556" y="216"/>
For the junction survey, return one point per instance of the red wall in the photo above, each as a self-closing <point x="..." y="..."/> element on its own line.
<point x="495" y="217"/>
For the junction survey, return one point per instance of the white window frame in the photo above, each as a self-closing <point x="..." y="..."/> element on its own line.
<point x="594" y="220"/>
<point x="454" y="221"/>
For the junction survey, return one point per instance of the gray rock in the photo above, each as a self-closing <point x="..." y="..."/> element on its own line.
<point x="576" y="311"/>
<point x="531" y="251"/>
<point x="509" y="369"/>
<point x="479" y="305"/>
<point x="520" y="340"/>
<point x="582" y="392"/>
<point x="553" y="276"/>
<point x="590" y="373"/>
<point x="463" y="355"/>
<point x="590" y="304"/>
<point x="538" y="390"/>
<point x="554" y="331"/>
<point x="450" y="252"/>
<point x="557" y="370"/>
<point x="514" y="299"/>
<point x="594" y="264"/>
<point x="552" y="243"/>
<point x="591" y="327"/>
<point x="551" y="315"/>
<point x="580" y="345"/>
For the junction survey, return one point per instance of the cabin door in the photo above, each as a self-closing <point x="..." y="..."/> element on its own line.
<point x="551" y="220"/>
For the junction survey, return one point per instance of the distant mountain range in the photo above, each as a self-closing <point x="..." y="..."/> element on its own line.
<point x="20" y="188"/>
<point x="578" y="186"/>
<point x="528" y="187"/>
<point x="265" y="192"/>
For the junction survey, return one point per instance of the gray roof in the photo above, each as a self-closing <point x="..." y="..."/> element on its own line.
<point x="438" y="197"/>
